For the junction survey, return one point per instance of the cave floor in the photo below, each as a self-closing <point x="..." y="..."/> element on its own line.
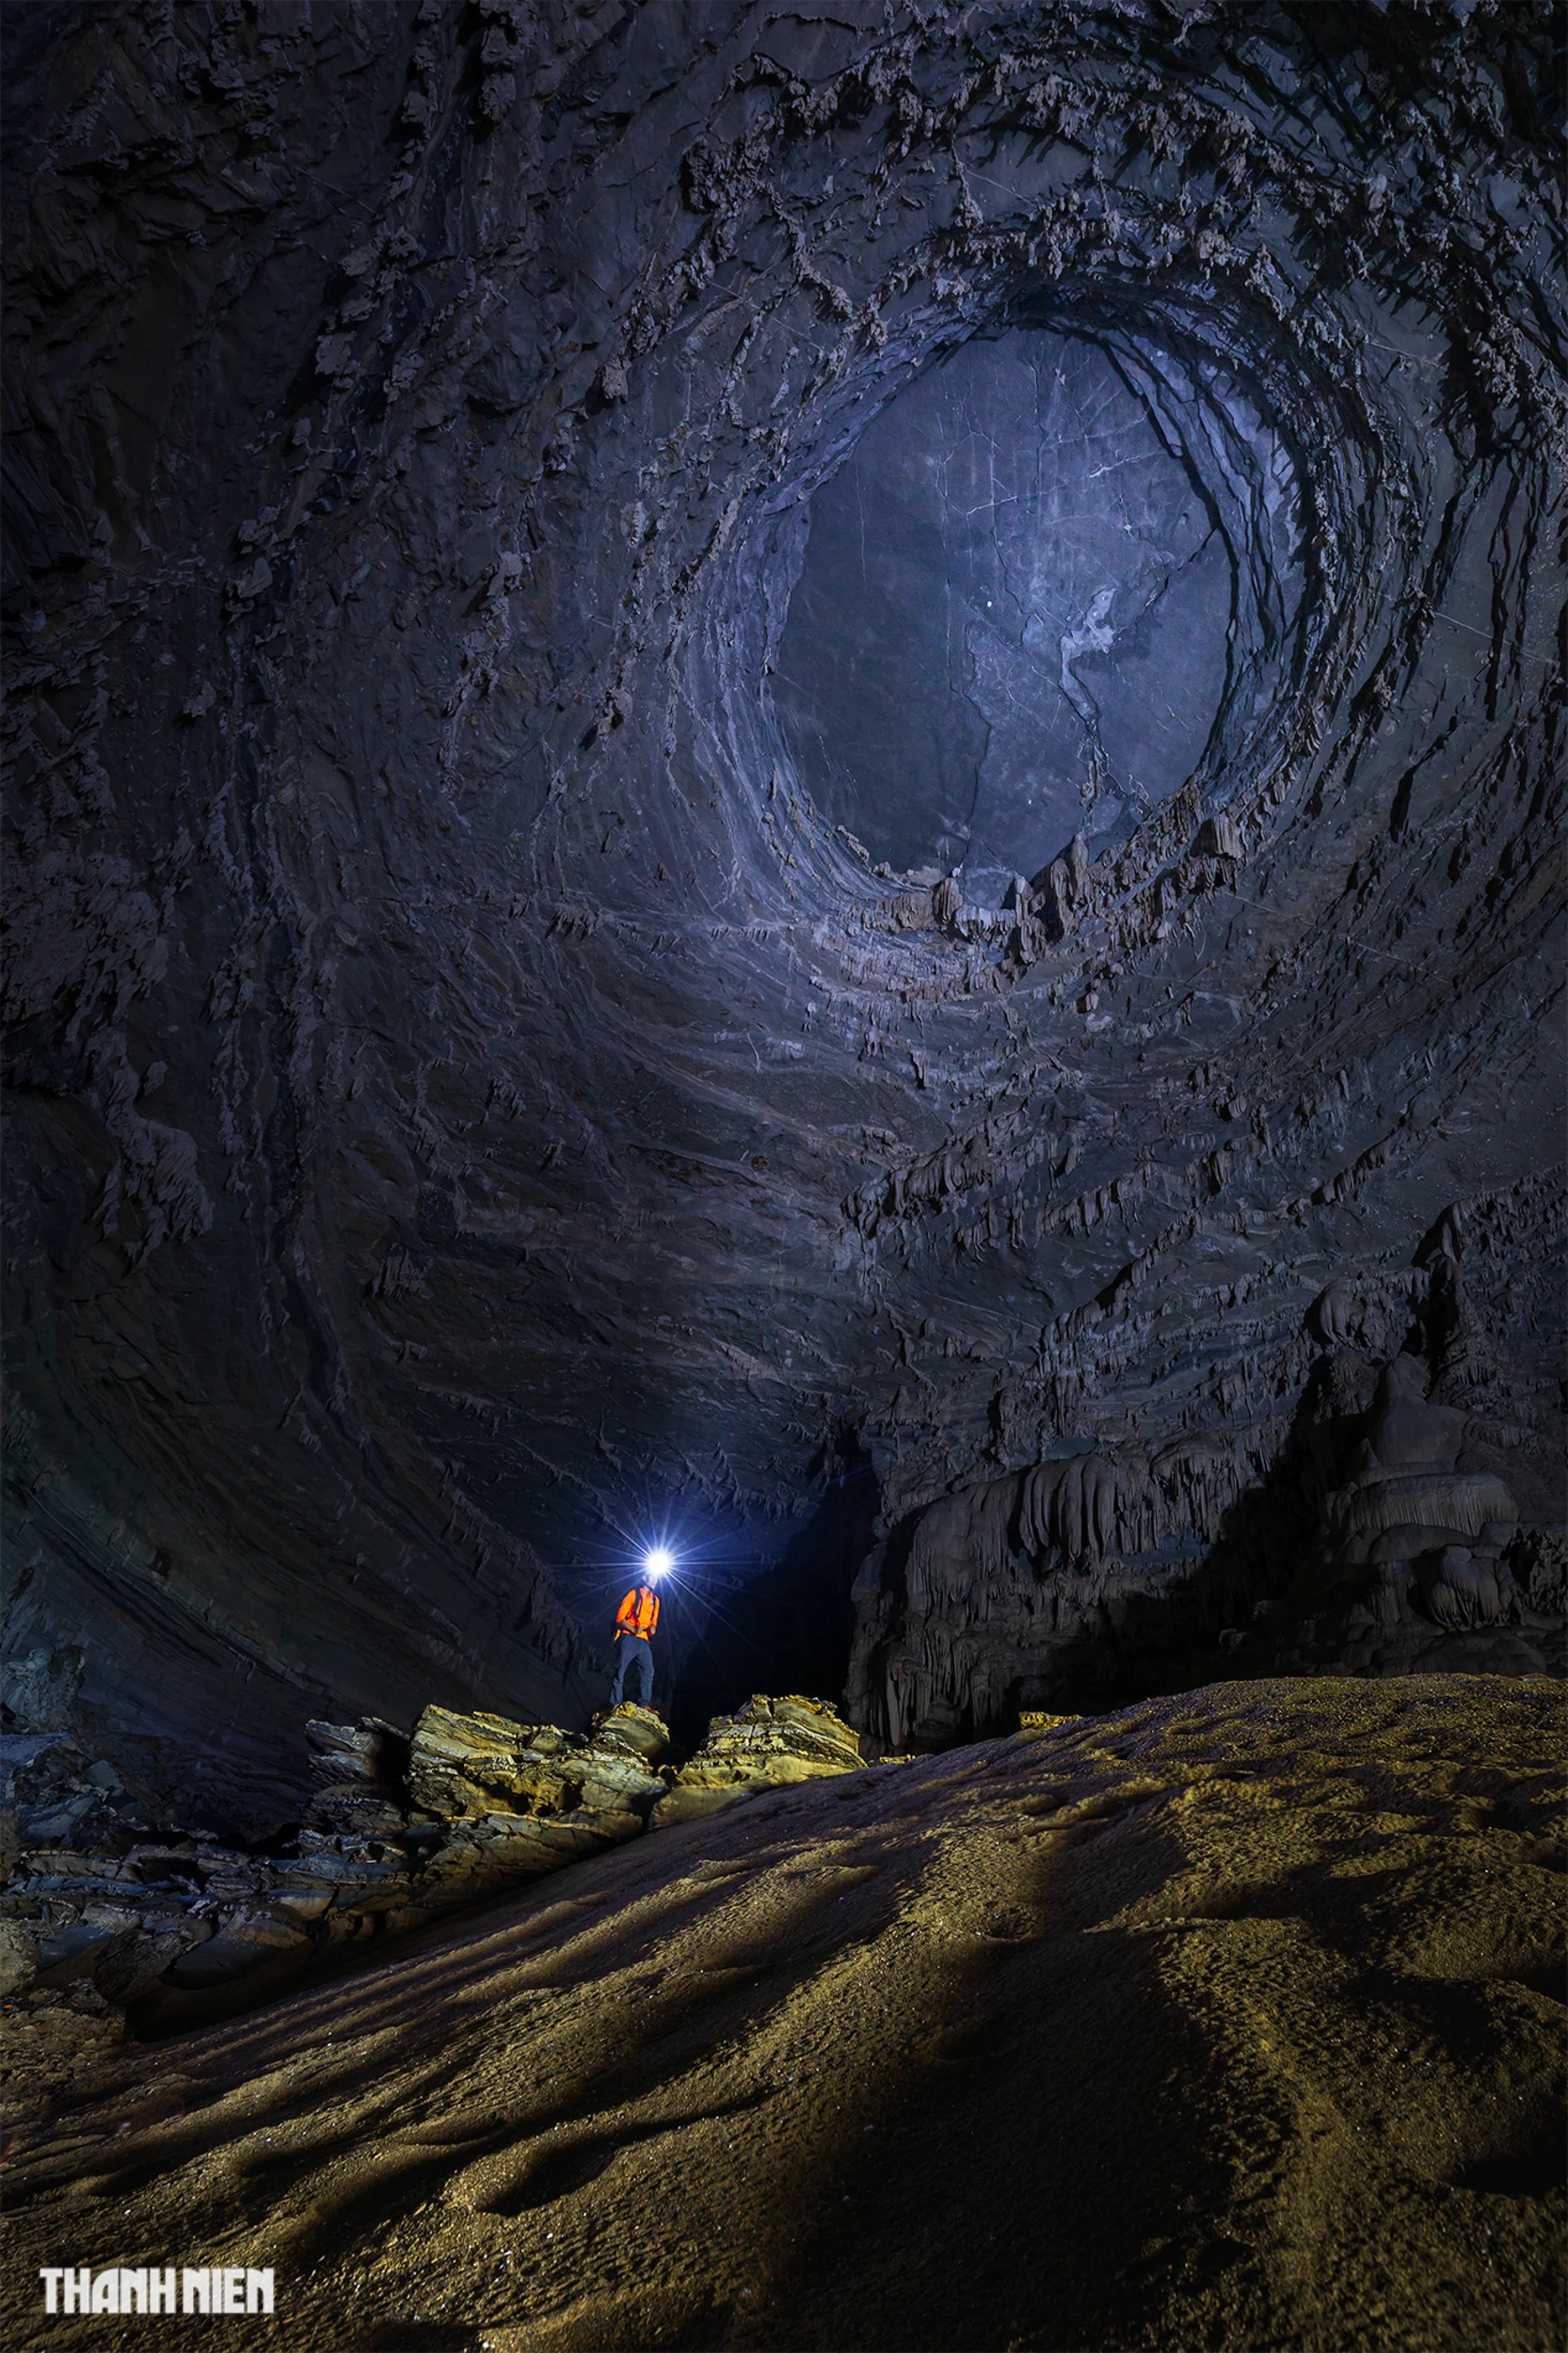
<point x="1230" y="2020"/>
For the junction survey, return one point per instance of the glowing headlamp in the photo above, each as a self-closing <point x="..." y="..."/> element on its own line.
<point x="658" y="1563"/>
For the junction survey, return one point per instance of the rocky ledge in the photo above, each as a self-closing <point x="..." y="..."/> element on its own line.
<point x="103" y="1914"/>
<point x="767" y="1744"/>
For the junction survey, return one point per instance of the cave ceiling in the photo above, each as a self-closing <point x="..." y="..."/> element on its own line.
<point x="743" y="738"/>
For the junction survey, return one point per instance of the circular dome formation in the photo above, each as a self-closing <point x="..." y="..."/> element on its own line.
<point x="1022" y="611"/>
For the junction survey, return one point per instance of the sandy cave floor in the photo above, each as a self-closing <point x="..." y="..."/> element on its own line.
<point x="1232" y="2020"/>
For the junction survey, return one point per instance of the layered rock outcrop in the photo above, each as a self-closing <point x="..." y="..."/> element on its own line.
<point x="767" y="1744"/>
<point x="400" y="1830"/>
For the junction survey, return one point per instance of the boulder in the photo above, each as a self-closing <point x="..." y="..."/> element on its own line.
<point x="635" y="1728"/>
<point x="354" y="1810"/>
<point x="483" y="1856"/>
<point x="18" y="1957"/>
<point x="361" y="1775"/>
<point x="246" y="1941"/>
<point x="767" y="1744"/>
<point x="1461" y="1590"/>
<point x="619" y="1760"/>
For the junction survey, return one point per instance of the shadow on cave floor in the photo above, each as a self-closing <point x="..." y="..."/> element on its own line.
<point x="162" y="2012"/>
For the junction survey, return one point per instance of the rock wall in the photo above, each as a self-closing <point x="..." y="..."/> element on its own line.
<point x="1372" y="1527"/>
<point x="102" y="1916"/>
<point x="461" y="1085"/>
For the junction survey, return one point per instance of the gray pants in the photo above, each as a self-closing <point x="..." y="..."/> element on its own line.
<point x="634" y="1666"/>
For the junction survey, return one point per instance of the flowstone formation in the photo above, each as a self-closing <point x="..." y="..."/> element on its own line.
<point x="1379" y="1532"/>
<point x="1232" y="2020"/>
<point x="1409" y="1539"/>
<point x="531" y="989"/>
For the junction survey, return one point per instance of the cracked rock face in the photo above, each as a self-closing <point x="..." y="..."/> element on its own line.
<point x="769" y="1743"/>
<point x="465" y="1077"/>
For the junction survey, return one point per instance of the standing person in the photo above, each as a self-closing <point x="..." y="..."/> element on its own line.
<point x="636" y="1621"/>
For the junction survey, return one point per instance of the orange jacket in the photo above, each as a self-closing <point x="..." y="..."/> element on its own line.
<point x="638" y="1613"/>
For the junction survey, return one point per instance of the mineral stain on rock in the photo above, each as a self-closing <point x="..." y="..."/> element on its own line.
<point x="1227" y="2018"/>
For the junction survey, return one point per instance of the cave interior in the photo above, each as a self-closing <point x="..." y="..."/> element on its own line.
<point x="787" y="782"/>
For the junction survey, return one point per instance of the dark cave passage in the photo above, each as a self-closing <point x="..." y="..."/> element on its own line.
<point x="788" y="1628"/>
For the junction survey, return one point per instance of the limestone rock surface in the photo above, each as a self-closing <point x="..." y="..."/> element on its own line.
<point x="767" y="1744"/>
<point x="1381" y="1530"/>
<point x="1230" y="2020"/>
<point x="399" y="1830"/>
